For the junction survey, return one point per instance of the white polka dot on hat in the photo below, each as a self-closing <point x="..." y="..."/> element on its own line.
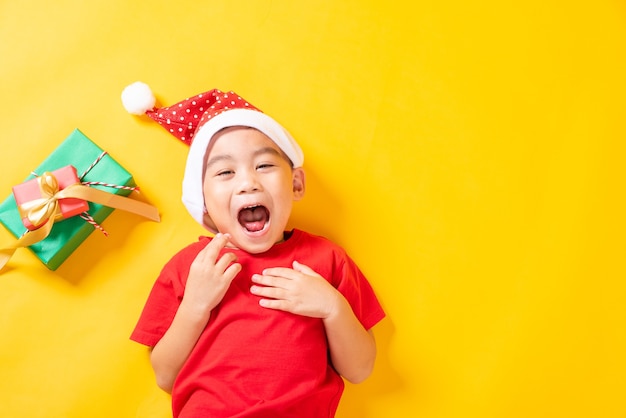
<point x="195" y="121"/>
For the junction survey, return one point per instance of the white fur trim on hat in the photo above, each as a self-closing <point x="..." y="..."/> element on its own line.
<point x="193" y="195"/>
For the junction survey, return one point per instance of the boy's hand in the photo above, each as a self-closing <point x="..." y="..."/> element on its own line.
<point x="299" y="290"/>
<point x="210" y="276"/>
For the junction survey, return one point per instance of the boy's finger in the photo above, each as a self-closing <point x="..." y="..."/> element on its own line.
<point x="284" y="272"/>
<point x="212" y="250"/>
<point x="225" y="260"/>
<point x="303" y="268"/>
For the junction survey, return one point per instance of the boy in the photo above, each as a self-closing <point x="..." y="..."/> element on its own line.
<point x="256" y="321"/>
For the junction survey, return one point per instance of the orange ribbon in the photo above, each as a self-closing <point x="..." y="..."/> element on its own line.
<point x="45" y="211"/>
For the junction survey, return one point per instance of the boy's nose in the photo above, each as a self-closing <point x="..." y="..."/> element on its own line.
<point x="249" y="183"/>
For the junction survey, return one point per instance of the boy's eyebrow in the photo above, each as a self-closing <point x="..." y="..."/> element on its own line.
<point x="223" y="157"/>
<point x="216" y="159"/>
<point x="267" y="150"/>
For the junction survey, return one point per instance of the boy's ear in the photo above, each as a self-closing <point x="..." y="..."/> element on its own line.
<point x="298" y="183"/>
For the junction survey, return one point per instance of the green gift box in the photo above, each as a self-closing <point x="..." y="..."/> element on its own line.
<point x="79" y="151"/>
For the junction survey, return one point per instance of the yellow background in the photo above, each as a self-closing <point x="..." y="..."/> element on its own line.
<point x="468" y="155"/>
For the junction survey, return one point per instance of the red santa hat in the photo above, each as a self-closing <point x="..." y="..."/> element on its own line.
<point x="195" y="121"/>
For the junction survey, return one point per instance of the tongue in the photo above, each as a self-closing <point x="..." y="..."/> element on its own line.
<point x="253" y="219"/>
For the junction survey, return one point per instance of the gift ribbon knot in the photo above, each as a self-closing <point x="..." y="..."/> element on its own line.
<point x="40" y="210"/>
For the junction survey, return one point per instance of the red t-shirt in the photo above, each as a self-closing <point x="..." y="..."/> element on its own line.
<point x="251" y="361"/>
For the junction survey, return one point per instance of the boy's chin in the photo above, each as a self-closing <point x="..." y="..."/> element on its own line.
<point x="255" y="247"/>
<point x="255" y="242"/>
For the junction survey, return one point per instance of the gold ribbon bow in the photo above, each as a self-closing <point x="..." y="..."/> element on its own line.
<point x="40" y="210"/>
<point x="43" y="212"/>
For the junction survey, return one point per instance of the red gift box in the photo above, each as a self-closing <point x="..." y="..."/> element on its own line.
<point x="67" y="207"/>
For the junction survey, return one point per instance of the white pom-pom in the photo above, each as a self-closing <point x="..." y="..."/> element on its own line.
<point x="137" y="98"/>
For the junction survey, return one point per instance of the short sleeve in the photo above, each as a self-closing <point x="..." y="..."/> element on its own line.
<point x="165" y="297"/>
<point x="157" y="315"/>
<point x="355" y="287"/>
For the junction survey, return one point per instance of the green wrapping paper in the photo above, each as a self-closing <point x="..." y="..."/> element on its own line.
<point x="68" y="234"/>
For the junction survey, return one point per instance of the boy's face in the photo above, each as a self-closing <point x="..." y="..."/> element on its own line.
<point x="249" y="188"/>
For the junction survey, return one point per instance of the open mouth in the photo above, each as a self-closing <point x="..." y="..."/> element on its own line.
<point x="254" y="218"/>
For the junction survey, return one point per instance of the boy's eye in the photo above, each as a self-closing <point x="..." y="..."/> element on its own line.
<point x="224" y="173"/>
<point x="265" y="165"/>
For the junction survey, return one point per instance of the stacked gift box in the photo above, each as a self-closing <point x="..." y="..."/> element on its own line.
<point x="76" y="219"/>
